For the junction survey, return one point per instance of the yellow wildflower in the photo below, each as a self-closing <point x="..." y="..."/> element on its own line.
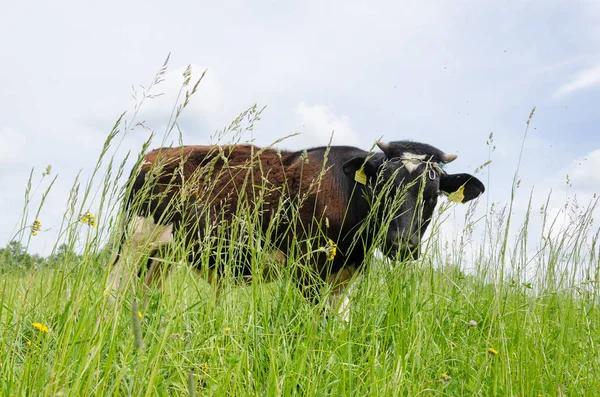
<point x="331" y="249"/>
<point x="226" y="331"/>
<point x="493" y="351"/>
<point x="36" y="227"/>
<point x="139" y="314"/>
<point x="445" y="377"/>
<point x="40" y="327"/>
<point x="89" y="219"/>
<point x="28" y="343"/>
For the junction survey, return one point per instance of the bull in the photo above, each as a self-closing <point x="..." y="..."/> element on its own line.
<point x="326" y="207"/>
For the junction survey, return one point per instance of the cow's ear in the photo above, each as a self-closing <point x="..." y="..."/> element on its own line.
<point x="360" y="169"/>
<point x="471" y="186"/>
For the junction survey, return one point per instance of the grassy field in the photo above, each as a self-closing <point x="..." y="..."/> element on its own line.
<point x="460" y="321"/>
<point x="414" y="330"/>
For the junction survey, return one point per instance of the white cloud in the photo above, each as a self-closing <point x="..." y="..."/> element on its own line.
<point x="12" y="147"/>
<point x="583" y="172"/>
<point x="319" y="122"/>
<point x="560" y="203"/>
<point x="206" y="106"/>
<point x="584" y="79"/>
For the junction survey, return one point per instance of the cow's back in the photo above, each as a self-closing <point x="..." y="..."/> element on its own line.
<point x="220" y="179"/>
<point x="211" y="178"/>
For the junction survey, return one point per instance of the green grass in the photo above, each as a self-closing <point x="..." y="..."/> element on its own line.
<point x="408" y="326"/>
<point x="419" y="328"/>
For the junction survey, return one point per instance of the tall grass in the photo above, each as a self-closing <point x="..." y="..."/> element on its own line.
<point x="477" y="314"/>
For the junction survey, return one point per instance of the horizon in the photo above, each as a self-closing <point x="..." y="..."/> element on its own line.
<point x="435" y="73"/>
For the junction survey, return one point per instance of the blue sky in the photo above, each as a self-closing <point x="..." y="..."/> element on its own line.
<point x="444" y="72"/>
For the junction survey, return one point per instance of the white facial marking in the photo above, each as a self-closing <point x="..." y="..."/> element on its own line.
<point x="412" y="161"/>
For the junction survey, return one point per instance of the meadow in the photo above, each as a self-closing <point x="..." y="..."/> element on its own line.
<point x="476" y="314"/>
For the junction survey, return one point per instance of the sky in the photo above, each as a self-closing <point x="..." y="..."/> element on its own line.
<point x="446" y="73"/>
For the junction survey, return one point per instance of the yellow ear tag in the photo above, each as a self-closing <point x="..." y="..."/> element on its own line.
<point x="360" y="177"/>
<point x="457" y="196"/>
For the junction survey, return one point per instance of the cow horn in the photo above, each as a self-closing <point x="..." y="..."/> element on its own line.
<point x="383" y="146"/>
<point x="448" y="158"/>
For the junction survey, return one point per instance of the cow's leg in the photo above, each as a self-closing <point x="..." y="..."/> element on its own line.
<point x="275" y="262"/>
<point x="216" y="282"/>
<point x="207" y="271"/>
<point x="156" y="271"/>
<point x="342" y="284"/>
<point x="308" y="282"/>
<point x="270" y="271"/>
<point x="147" y="235"/>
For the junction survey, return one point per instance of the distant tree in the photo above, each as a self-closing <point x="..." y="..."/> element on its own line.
<point x="105" y="255"/>
<point x="63" y="254"/>
<point x="15" y="256"/>
<point x="37" y="261"/>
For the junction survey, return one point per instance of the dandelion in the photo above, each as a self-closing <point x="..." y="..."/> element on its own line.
<point x="139" y="313"/>
<point x="445" y="377"/>
<point x="40" y="327"/>
<point x="330" y="249"/>
<point x="226" y="331"/>
<point x="28" y="343"/>
<point x="89" y="219"/>
<point x="493" y="351"/>
<point x="36" y="227"/>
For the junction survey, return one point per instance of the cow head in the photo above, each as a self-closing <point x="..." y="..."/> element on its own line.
<point x="410" y="175"/>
